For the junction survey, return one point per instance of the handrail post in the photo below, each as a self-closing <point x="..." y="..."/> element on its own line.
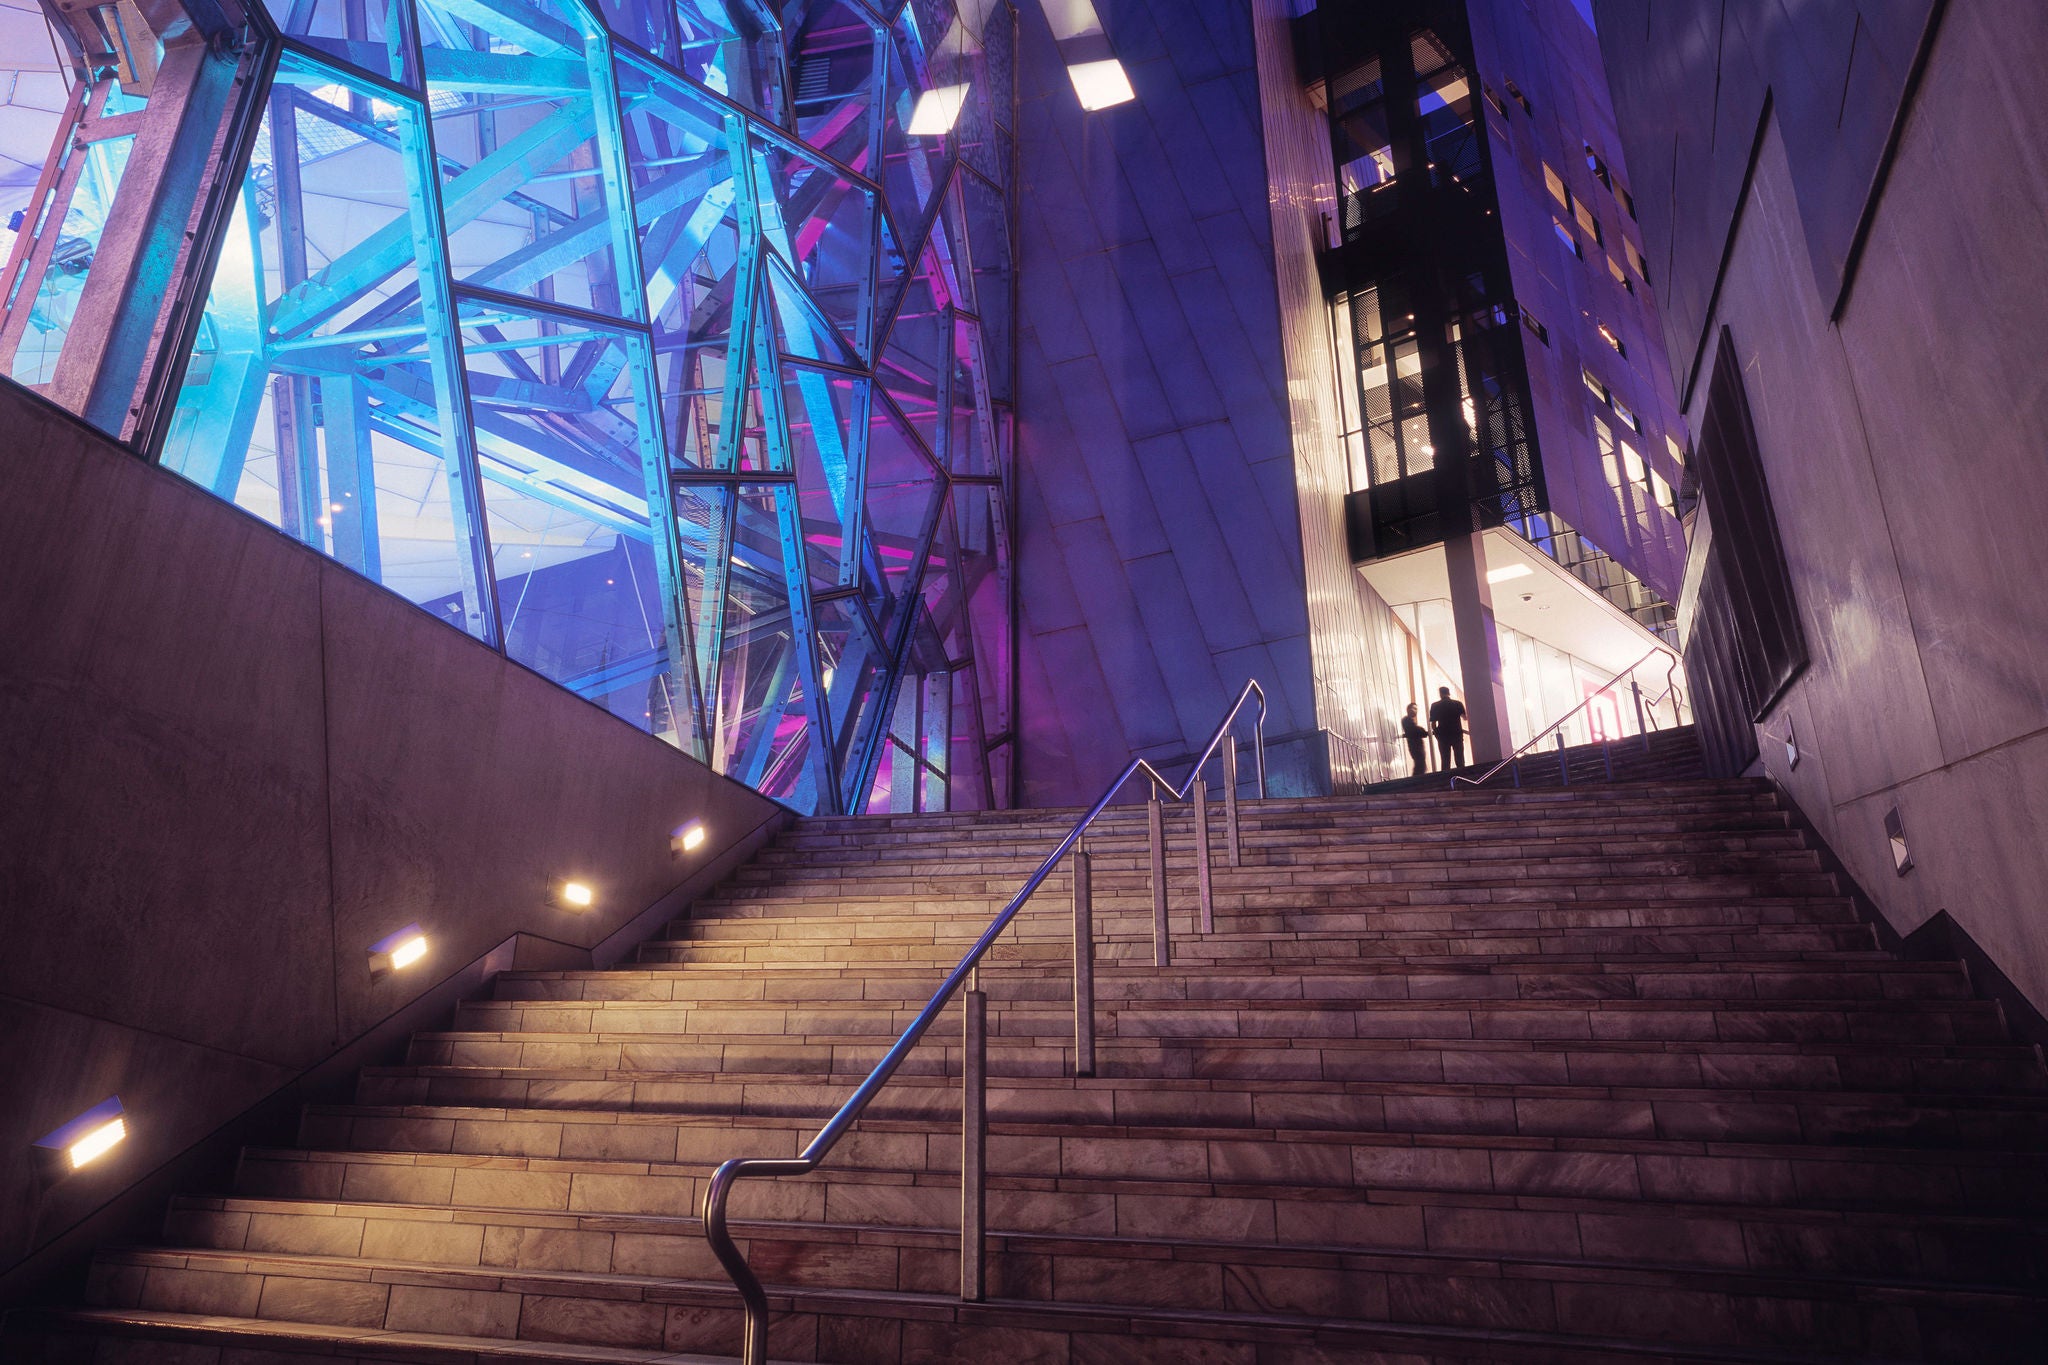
<point x="1202" y="875"/>
<point x="1230" y="798"/>
<point x="1155" y="822"/>
<point x="1607" y="753"/>
<point x="1564" y="763"/>
<point x="973" y="1145"/>
<point x="1084" y="964"/>
<point x="1641" y="728"/>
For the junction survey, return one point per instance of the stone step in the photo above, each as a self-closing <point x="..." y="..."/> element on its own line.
<point x="1131" y="917"/>
<point x="1299" y="946"/>
<point x="1564" y="839"/>
<point x="1875" y="1066"/>
<point x="1265" y="863"/>
<point x="2010" y="1069"/>
<point x="1990" y="1251"/>
<point x="134" y="1336"/>
<point x="1154" y="1273"/>
<point x="1698" y="1114"/>
<point x="1143" y="1157"/>
<point x="1701" y="1111"/>
<point x="1335" y="1017"/>
<point x="652" y="1314"/>
<point x="1760" y="979"/>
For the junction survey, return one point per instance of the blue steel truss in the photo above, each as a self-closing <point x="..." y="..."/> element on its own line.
<point x="665" y="347"/>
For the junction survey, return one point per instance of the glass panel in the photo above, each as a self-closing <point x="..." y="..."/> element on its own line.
<point x="520" y="92"/>
<point x="369" y="35"/>
<point x="818" y="221"/>
<point x="564" y="456"/>
<point x="679" y="148"/>
<point x="320" y="395"/>
<point x="903" y="493"/>
<point x="832" y="75"/>
<point x="819" y="407"/>
<point x="78" y="239"/>
<point x="723" y="45"/>
<point x="852" y="668"/>
<point x="915" y="168"/>
<point x="764" y="724"/>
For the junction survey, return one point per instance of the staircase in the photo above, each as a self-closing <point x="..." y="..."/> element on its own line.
<point x="1608" y="1073"/>
<point x="1666" y="756"/>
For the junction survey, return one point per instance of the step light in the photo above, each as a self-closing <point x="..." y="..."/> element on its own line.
<point x="396" y="952"/>
<point x="567" y="894"/>
<point x="687" y="838"/>
<point x="84" y="1139"/>
<point x="1895" y="832"/>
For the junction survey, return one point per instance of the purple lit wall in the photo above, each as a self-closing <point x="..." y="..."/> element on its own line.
<point x="1159" y="546"/>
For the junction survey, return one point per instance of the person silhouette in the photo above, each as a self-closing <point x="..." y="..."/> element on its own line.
<point x="1447" y="721"/>
<point x="1417" y="737"/>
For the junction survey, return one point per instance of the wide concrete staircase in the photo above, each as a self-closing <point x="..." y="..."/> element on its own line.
<point x="1610" y="1073"/>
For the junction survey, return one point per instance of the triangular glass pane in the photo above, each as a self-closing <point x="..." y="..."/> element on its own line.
<point x="801" y="329"/>
<point x="915" y="166"/>
<point x="988" y="231"/>
<point x="919" y="346"/>
<point x="852" y="669"/>
<point x="703" y="532"/>
<point x="819" y="406"/>
<point x="904" y="489"/>
<point x="763" y="719"/>
<point x="970" y="442"/>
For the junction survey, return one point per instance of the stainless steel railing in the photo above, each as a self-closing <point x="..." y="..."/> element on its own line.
<point x="1557" y="726"/>
<point x="974" y="1080"/>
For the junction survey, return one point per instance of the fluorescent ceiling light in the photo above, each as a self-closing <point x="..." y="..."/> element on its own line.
<point x="1101" y="84"/>
<point x="1508" y="574"/>
<point x="937" y="111"/>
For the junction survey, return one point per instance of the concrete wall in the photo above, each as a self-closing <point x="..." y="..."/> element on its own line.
<point x="231" y="765"/>
<point x="1902" y="447"/>
<point x="1159" y="542"/>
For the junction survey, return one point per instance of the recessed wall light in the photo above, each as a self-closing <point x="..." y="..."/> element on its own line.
<point x="396" y="951"/>
<point x="84" y="1139"/>
<point x="687" y="838"/>
<point x="1895" y="834"/>
<point x="571" y="895"/>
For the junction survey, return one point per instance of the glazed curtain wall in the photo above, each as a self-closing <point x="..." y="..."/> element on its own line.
<point x="666" y="349"/>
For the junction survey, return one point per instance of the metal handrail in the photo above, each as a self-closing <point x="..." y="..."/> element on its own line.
<point x="754" y="1346"/>
<point x="1591" y="697"/>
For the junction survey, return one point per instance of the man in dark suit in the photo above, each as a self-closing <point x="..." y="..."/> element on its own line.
<point x="1447" y="722"/>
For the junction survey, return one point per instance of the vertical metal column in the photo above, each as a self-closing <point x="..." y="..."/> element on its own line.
<point x="1084" y="964"/>
<point x="1641" y="728"/>
<point x="1202" y="874"/>
<point x="1155" y="822"/>
<point x="973" y="1142"/>
<point x="1230" y="798"/>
